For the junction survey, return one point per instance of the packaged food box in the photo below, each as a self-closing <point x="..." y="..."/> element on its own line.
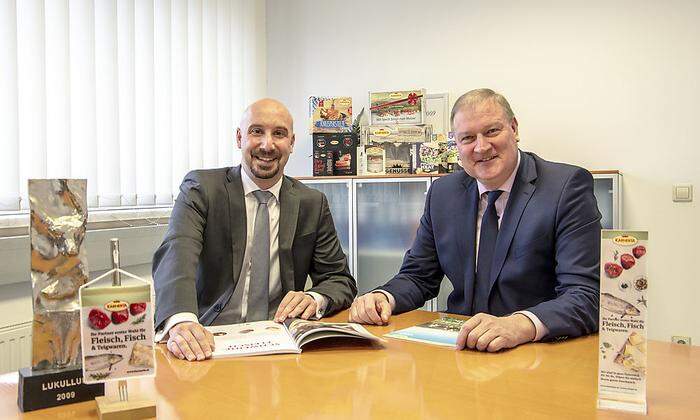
<point x="398" y="158"/>
<point x="342" y="148"/>
<point x="399" y="133"/>
<point x="450" y="158"/>
<point x="427" y="157"/>
<point x="330" y="114"/>
<point x="398" y="107"/>
<point x="323" y="163"/>
<point x="374" y="160"/>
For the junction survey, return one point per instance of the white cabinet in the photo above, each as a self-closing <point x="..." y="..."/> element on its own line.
<point x="339" y="195"/>
<point x="387" y="213"/>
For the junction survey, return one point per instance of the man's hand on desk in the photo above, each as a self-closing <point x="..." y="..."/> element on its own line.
<point x="295" y="305"/>
<point x="191" y="341"/>
<point x="485" y="332"/>
<point x="372" y="308"/>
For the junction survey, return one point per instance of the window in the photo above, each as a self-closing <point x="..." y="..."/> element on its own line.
<point x="128" y="94"/>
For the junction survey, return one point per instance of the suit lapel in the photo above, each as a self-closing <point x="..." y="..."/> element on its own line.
<point x="236" y="201"/>
<point x="520" y="195"/>
<point x="289" y="213"/>
<point x="467" y="239"/>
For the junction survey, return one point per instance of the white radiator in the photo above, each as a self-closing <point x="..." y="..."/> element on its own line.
<point x="15" y="347"/>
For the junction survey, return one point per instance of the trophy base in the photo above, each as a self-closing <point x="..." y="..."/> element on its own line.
<point x="51" y="388"/>
<point x="125" y="410"/>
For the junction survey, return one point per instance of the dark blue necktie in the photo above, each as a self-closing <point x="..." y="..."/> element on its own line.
<point x="487" y="245"/>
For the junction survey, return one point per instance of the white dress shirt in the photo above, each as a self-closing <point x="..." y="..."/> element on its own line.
<point x="275" y="287"/>
<point x="540" y="329"/>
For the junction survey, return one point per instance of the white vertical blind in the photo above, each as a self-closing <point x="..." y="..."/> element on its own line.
<point x="210" y="124"/>
<point x="57" y="90"/>
<point x="162" y="92"/>
<point x="223" y="61"/>
<point x="83" y="123"/>
<point x="180" y="101"/>
<point x="194" y="81"/>
<point x="238" y="101"/>
<point x="127" y="102"/>
<point x="31" y="87"/>
<point x="130" y="94"/>
<point x="145" y="137"/>
<point x="9" y="131"/>
<point x="107" y="103"/>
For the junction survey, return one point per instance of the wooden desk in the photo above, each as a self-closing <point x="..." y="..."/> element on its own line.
<point x="402" y="381"/>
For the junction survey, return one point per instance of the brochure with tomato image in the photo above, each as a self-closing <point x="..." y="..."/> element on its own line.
<point x="622" y="360"/>
<point x="116" y="329"/>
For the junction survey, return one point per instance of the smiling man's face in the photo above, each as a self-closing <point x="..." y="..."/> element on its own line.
<point x="487" y="142"/>
<point x="266" y="139"/>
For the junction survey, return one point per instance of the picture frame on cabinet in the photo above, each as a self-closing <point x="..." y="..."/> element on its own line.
<point x="437" y="114"/>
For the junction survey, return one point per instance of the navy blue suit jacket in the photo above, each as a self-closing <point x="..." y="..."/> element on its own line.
<point x="547" y="255"/>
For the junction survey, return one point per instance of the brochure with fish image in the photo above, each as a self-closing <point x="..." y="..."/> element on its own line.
<point x="622" y="359"/>
<point x="441" y="332"/>
<point x="269" y="337"/>
<point x="117" y="329"/>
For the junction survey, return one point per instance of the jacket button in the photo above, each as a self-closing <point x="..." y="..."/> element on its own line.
<point x="217" y="307"/>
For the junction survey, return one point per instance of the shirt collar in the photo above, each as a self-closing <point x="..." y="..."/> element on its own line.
<point x="506" y="186"/>
<point x="249" y="185"/>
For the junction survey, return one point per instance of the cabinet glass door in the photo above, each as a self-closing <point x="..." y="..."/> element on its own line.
<point x="607" y="192"/>
<point x="387" y="214"/>
<point x="338" y="194"/>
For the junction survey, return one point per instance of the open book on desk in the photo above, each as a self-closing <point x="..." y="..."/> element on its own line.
<point x="269" y="337"/>
<point x="441" y="331"/>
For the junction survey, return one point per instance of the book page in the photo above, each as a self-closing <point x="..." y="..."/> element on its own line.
<point x="251" y="338"/>
<point x="442" y="332"/>
<point x="303" y="331"/>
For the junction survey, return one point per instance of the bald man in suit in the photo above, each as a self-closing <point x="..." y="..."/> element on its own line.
<point x="242" y="241"/>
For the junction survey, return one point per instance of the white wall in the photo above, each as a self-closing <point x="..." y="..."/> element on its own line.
<point x="255" y="57"/>
<point x="605" y="85"/>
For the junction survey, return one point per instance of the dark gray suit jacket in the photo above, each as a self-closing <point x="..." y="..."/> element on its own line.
<point x="197" y="266"/>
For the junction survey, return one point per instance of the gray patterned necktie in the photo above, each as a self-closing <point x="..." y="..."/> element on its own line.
<point x="258" y="295"/>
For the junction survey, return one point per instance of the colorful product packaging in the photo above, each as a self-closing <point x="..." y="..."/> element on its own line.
<point x="450" y="158"/>
<point x="375" y="159"/>
<point x="398" y="107"/>
<point x="330" y="114"/>
<point x="398" y="158"/>
<point x="341" y="148"/>
<point x="427" y="157"/>
<point x="323" y="163"/>
<point x="398" y="133"/>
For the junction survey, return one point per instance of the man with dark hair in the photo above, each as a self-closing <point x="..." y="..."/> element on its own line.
<point x="518" y="237"/>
